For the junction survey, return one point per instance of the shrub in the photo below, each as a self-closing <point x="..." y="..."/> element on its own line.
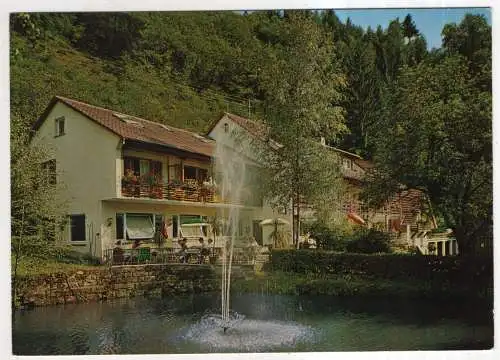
<point x="369" y="241"/>
<point x="327" y="238"/>
<point x="473" y="271"/>
<point x="75" y="257"/>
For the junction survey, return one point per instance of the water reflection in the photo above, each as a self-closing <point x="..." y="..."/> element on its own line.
<point x="143" y="326"/>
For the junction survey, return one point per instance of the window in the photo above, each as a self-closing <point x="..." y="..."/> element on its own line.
<point x="142" y="167"/>
<point x="119" y="226"/>
<point x="174" y="172"/>
<point x="60" y="130"/>
<point x="226" y="127"/>
<point x="189" y="172"/>
<point x="77" y="227"/>
<point x="175" y="227"/>
<point x="49" y="171"/>
<point x="140" y="226"/>
<point x="195" y="173"/>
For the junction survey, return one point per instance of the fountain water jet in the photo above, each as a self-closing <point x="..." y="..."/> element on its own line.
<point x="231" y="170"/>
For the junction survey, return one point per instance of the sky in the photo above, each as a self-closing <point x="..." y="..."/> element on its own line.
<point x="429" y="22"/>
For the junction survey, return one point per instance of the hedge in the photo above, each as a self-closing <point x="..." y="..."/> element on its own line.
<point x="473" y="270"/>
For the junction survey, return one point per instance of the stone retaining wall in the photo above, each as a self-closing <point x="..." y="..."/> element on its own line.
<point x="116" y="282"/>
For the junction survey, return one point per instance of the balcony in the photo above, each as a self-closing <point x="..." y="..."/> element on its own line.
<point x="188" y="190"/>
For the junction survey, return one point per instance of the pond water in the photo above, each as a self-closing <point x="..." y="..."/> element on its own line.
<point x="183" y="324"/>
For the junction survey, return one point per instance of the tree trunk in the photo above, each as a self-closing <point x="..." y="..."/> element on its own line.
<point x="294" y="225"/>
<point x="16" y="262"/>
<point x="298" y="221"/>
<point x="465" y="245"/>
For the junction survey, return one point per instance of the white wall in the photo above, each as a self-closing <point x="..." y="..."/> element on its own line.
<point x="233" y="139"/>
<point x="87" y="162"/>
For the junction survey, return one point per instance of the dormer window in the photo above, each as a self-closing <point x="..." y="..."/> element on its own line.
<point x="60" y="126"/>
<point x="226" y="128"/>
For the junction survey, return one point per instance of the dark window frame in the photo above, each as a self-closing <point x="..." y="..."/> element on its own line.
<point x="200" y="174"/>
<point x="60" y="130"/>
<point x="76" y="229"/>
<point x="134" y="163"/>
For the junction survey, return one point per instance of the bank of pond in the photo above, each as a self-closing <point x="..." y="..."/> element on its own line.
<point x="301" y="301"/>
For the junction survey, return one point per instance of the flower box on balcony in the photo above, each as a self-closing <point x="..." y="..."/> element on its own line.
<point x="179" y="194"/>
<point x="130" y="184"/>
<point x="192" y="196"/>
<point x="144" y="190"/>
<point x="156" y="192"/>
<point x="192" y="190"/>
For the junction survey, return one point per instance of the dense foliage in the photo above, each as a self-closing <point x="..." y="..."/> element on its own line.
<point x="353" y="240"/>
<point x="463" y="270"/>
<point x="435" y="134"/>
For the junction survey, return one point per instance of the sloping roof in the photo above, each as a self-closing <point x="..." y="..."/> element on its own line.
<point x="364" y="164"/>
<point x="253" y="127"/>
<point x="137" y="129"/>
<point x="343" y="152"/>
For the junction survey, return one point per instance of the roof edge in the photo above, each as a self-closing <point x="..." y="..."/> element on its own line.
<point x="36" y="125"/>
<point x="215" y="122"/>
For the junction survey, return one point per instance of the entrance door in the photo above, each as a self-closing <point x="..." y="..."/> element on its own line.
<point x="257" y="231"/>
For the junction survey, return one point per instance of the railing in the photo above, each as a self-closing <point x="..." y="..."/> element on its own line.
<point x="355" y="206"/>
<point x="148" y="255"/>
<point x="189" y="190"/>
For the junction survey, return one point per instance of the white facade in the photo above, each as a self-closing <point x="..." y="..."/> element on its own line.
<point x="234" y="136"/>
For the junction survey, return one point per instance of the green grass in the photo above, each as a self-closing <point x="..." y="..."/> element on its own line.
<point x="28" y="266"/>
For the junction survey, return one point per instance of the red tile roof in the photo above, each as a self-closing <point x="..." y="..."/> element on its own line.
<point x="253" y="127"/>
<point x="138" y="129"/>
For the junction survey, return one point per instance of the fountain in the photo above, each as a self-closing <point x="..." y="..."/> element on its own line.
<point x="231" y="170"/>
<point x="231" y="330"/>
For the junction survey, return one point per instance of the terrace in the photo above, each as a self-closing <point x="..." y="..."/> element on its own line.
<point x="171" y="255"/>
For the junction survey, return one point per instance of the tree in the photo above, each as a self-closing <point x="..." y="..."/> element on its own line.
<point x="301" y="86"/>
<point x="471" y="39"/>
<point x="108" y="35"/>
<point x="362" y="95"/>
<point x="37" y="214"/>
<point x="435" y="136"/>
<point x="409" y="28"/>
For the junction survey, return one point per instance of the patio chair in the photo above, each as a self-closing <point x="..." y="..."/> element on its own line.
<point x="144" y="255"/>
<point x="118" y="256"/>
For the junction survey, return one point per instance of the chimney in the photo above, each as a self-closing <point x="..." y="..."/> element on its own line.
<point x="323" y="142"/>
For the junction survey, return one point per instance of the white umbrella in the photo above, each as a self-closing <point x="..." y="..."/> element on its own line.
<point x="280" y="221"/>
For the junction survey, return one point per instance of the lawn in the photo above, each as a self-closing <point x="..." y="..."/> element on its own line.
<point x="29" y="266"/>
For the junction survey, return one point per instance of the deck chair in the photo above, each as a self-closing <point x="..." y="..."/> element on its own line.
<point x="144" y="255"/>
<point x="118" y="257"/>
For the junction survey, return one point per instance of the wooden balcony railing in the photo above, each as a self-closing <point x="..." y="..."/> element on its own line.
<point x="189" y="190"/>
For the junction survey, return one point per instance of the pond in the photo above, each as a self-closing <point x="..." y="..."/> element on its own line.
<point x="182" y="324"/>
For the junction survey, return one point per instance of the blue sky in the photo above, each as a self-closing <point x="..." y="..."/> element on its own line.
<point x="429" y="22"/>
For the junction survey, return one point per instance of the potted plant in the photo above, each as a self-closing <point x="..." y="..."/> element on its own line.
<point x="208" y="191"/>
<point x="156" y="187"/>
<point x="192" y="192"/>
<point x="129" y="183"/>
<point x="171" y="186"/>
<point x="179" y="191"/>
